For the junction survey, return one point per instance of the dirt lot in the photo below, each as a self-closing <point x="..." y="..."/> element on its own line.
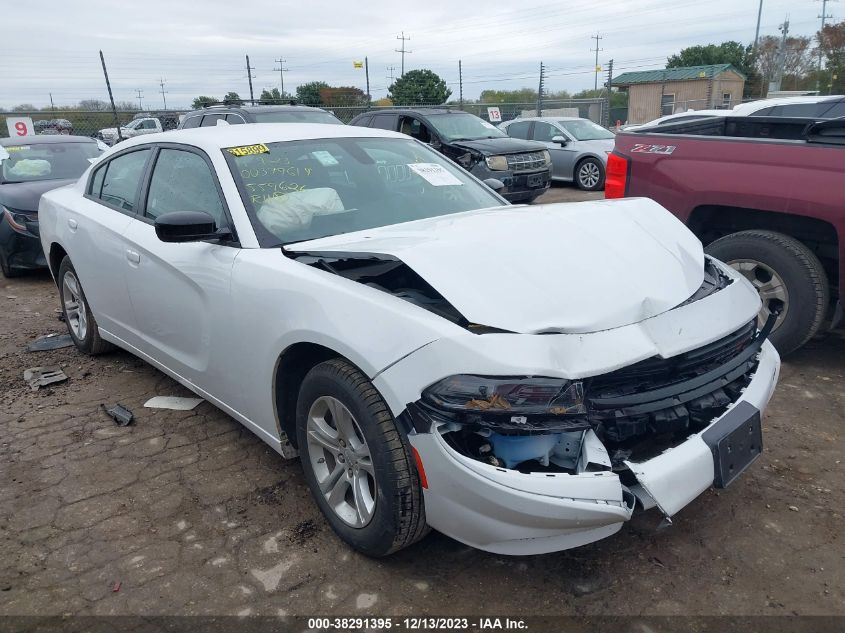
<point x="191" y="514"/>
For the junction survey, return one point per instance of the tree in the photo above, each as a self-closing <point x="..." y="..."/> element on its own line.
<point x="384" y="101"/>
<point x="25" y="107"/>
<point x="342" y="96"/>
<point x="203" y="102"/>
<point x="309" y="94"/>
<point x="273" y="97"/>
<point x="232" y="98"/>
<point x="418" y="87"/>
<point x="724" y="53"/>
<point x="797" y="64"/>
<point x="832" y="46"/>
<point x="618" y="99"/>
<point x="523" y="95"/>
<point x="94" y="105"/>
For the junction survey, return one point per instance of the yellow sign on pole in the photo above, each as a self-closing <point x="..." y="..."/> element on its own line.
<point x="357" y="64"/>
<point x="598" y="69"/>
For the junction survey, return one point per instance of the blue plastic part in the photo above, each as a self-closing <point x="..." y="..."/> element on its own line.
<point x="515" y="449"/>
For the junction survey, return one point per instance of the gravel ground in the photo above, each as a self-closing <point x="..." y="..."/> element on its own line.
<point x="188" y="513"/>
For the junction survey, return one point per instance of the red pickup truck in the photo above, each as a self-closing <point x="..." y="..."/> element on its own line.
<point x="766" y="195"/>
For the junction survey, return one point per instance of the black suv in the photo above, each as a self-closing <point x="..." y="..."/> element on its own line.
<point x="524" y="167"/>
<point x="234" y="114"/>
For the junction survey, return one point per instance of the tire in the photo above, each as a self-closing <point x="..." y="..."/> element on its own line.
<point x="80" y="321"/>
<point x="8" y="271"/>
<point x="396" y="518"/>
<point x="589" y="174"/>
<point x="791" y="276"/>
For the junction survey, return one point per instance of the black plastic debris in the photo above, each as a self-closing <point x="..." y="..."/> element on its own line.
<point x="37" y="377"/>
<point x="49" y="342"/>
<point x="120" y="414"/>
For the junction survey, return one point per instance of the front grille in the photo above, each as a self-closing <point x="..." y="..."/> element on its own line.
<point x="526" y="161"/>
<point x="673" y="395"/>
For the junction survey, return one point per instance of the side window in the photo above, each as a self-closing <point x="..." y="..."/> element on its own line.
<point x="123" y="178"/>
<point x="191" y="121"/>
<point x="838" y="110"/>
<point x="799" y="110"/>
<point x="210" y="120"/>
<point x="545" y="132"/>
<point x="364" y="121"/>
<point x="182" y="181"/>
<point x="415" y="128"/>
<point x="150" y="124"/>
<point x="234" y="119"/>
<point x="763" y="112"/>
<point x="97" y="182"/>
<point x="384" y="122"/>
<point x="519" y="129"/>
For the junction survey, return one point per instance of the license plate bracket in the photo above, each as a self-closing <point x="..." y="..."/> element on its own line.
<point x="736" y="441"/>
<point x="535" y="181"/>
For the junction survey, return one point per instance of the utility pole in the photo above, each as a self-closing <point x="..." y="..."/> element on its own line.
<point x="367" y="74"/>
<point x="609" y="92"/>
<point x="52" y="106"/>
<point x="111" y="97"/>
<point x="774" y="85"/>
<point x="140" y="96"/>
<point x="391" y="70"/>
<point x="824" y="16"/>
<point x="460" y="86"/>
<point x="249" y="76"/>
<point x="596" y="37"/>
<point x="163" y="92"/>
<point x="757" y="30"/>
<point x="282" y="70"/>
<point x="402" y="50"/>
<point x="540" y="91"/>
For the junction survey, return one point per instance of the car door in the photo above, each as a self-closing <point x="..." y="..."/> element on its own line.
<point x="180" y="291"/>
<point x="563" y="156"/>
<point x="99" y="246"/>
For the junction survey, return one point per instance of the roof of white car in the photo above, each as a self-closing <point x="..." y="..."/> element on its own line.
<point x="215" y="138"/>
<point x="754" y="106"/>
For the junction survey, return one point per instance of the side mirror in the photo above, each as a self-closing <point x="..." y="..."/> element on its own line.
<point x="561" y="140"/>
<point x="188" y="226"/>
<point x="494" y="183"/>
<point x="435" y="144"/>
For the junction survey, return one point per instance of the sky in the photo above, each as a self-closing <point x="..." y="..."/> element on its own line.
<point x="199" y="48"/>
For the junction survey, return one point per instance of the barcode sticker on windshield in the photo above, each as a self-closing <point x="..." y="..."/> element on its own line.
<point x="434" y="174"/>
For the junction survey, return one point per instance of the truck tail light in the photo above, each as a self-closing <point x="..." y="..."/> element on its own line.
<point x="617" y="176"/>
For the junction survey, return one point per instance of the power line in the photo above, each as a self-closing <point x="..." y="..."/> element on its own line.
<point x="140" y="96"/>
<point x="596" y="37"/>
<point x="391" y="70"/>
<point x="402" y="50"/>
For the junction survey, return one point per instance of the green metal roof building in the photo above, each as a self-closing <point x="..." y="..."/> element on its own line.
<point x="655" y="93"/>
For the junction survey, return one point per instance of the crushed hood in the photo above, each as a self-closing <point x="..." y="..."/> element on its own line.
<point x="503" y="145"/>
<point x="24" y="196"/>
<point x="568" y="267"/>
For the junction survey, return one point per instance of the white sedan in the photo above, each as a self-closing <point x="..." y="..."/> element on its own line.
<point x="520" y="378"/>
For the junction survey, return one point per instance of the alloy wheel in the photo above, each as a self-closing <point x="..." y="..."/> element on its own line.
<point x="341" y="461"/>
<point x="589" y="175"/>
<point x="74" y="306"/>
<point x="769" y="285"/>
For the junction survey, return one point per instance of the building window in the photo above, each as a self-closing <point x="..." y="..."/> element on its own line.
<point x="667" y="104"/>
<point x="726" y="100"/>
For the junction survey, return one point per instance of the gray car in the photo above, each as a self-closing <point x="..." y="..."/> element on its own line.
<point x="579" y="147"/>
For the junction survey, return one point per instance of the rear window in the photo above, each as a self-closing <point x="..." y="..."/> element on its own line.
<point x="296" y="116"/>
<point x="46" y="161"/>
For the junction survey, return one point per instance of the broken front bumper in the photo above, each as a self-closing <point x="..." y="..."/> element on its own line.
<point x="509" y="512"/>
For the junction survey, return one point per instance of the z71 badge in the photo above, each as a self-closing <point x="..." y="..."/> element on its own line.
<point x="641" y="148"/>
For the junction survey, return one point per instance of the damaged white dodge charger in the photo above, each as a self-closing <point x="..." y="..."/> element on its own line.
<point x="520" y="378"/>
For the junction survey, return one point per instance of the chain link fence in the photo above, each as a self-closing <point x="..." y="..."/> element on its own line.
<point x="101" y="123"/>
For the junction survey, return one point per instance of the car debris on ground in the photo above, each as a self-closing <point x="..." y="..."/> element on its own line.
<point x="120" y="414"/>
<point x="174" y="403"/>
<point x="37" y="377"/>
<point x="50" y="342"/>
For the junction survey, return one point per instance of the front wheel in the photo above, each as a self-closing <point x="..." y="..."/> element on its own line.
<point x="81" y="324"/>
<point x="357" y="465"/>
<point x="589" y="174"/>
<point x="789" y="278"/>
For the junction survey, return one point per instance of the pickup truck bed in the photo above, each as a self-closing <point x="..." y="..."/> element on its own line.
<point x="766" y="195"/>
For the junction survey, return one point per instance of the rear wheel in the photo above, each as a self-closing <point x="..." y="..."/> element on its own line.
<point x="8" y="271"/>
<point x="789" y="278"/>
<point x="81" y="324"/>
<point x="357" y="465"/>
<point x="589" y="174"/>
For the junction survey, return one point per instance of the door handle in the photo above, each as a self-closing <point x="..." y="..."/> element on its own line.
<point x="72" y="224"/>
<point x="133" y="257"/>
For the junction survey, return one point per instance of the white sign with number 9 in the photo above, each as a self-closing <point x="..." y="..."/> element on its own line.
<point x="19" y="126"/>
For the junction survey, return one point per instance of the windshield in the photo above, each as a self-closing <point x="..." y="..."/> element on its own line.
<point x="296" y="116"/>
<point x="457" y="126"/>
<point x="46" y="161"/>
<point x="302" y="190"/>
<point x="585" y="130"/>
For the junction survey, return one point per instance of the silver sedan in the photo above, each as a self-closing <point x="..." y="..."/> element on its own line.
<point x="579" y="147"/>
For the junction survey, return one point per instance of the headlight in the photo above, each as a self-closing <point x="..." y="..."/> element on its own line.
<point x="466" y="393"/>
<point x="497" y="163"/>
<point x="547" y="156"/>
